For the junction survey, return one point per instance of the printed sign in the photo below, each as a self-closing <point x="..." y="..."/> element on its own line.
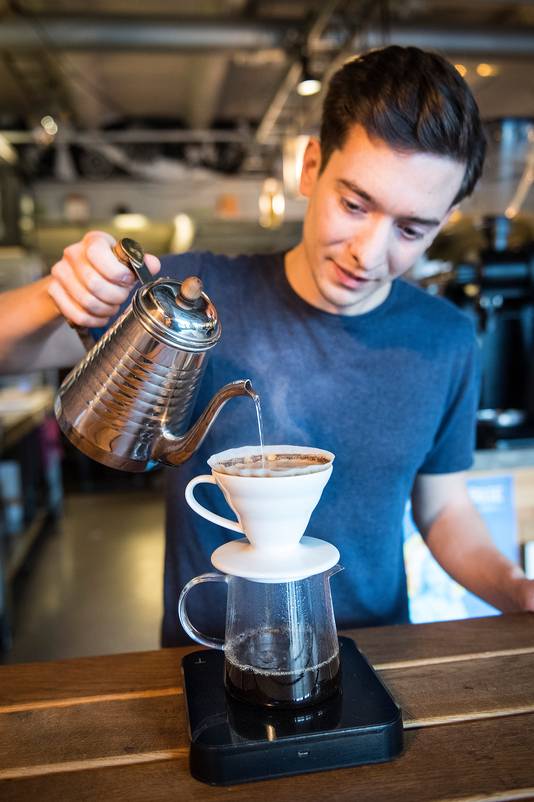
<point x="433" y="595"/>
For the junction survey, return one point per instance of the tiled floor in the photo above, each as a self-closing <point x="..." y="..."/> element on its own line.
<point x="94" y="584"/>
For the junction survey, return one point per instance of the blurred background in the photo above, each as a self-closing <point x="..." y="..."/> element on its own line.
<point x="183" y="125"/>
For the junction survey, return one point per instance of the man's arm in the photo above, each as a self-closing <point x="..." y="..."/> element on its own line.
<point x="459" y="540"/>
<point x="33" y="334"/>
<point x="86" y="287"/>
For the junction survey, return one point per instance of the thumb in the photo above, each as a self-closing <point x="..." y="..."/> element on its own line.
<point x="153" y="263"/>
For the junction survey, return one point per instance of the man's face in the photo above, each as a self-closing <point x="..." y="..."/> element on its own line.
<point x="371" y="213"/>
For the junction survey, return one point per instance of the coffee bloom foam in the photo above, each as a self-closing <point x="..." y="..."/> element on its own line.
<point x="276" y="461"/>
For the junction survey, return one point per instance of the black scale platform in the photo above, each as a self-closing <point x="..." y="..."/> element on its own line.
<point x="232" y="742"/>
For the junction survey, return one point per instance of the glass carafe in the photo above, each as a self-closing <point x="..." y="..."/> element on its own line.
<point x="281" y="647"/>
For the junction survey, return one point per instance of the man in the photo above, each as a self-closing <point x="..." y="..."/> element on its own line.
<point x="344" y="353"/>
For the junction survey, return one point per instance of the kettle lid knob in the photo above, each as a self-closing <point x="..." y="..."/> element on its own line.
<point x="191" y="288"/>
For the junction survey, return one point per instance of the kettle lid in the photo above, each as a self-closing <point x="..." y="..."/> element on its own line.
<point x="178" y="313"/>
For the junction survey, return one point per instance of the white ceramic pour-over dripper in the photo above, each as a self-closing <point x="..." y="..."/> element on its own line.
<point x="273" y="512"/>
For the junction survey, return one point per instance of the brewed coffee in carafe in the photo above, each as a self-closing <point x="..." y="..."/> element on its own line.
<point x="291" y="657"/>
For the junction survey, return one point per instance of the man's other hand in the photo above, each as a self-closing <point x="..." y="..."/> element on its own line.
<point x="525" y="594"/>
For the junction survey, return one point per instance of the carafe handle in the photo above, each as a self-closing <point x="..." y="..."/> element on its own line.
<point x="210" y="516"/>
<point x="193" y="632"/>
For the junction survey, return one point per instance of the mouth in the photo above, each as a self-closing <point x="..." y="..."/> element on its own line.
<point x="350" y="279"/>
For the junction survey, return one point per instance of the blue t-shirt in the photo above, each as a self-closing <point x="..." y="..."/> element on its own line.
<point x="392" y="392"/>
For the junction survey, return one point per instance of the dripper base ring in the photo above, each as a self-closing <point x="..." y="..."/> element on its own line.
<point x="309" y="557"/>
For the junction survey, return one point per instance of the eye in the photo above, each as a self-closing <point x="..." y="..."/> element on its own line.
<point x="351" y="206"/>
<point x="411" y="233"/>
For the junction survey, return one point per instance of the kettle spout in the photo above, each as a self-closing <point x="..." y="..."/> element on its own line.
<point x="172" y="450"/>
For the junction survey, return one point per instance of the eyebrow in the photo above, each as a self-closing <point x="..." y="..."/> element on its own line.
<point x="424" y="221"/>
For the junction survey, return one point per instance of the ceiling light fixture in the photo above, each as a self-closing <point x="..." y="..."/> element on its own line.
<point x="308" y="84"/>
<point x="49" y="125"/>
<point x="130" y="221"/>
<point x="184" y="233"/>
<point x="7" y="151"/>
<point x="292" y="160"/>
<point x="487" y="70"/>
<point x="271" y="204"/>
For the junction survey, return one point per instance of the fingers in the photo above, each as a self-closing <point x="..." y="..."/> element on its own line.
<point x="89" y="283"/>
<point x="98" y="248"/>
<point x="72" y="311"/>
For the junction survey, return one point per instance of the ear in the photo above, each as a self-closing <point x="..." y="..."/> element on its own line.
<point x="311" y="164"/>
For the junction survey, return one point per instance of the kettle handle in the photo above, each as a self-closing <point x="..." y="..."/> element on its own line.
<point x="210" y="516"/>
<point x="131" y="254"/>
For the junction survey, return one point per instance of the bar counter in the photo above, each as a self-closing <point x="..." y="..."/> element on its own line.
<point x="114" y="727"/>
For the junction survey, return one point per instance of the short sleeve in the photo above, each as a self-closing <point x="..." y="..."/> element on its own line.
<point x="454" y="442"/>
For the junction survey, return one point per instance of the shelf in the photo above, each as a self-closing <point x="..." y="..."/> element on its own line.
<point x="20" y="414"/>
<point x="18" y="546"/>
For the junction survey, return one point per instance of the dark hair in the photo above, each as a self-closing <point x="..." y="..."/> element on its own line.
<point x="411" y="99"/>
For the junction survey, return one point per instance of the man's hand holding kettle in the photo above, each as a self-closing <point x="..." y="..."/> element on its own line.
<point x="89" y="283"/>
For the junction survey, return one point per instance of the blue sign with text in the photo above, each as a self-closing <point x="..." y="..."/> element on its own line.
<point x="433" y="595"/>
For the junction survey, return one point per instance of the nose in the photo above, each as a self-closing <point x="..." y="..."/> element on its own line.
<point x="369" y="245"/>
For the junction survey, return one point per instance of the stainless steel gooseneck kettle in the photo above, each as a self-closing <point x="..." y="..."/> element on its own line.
<point x="127" y="404"/>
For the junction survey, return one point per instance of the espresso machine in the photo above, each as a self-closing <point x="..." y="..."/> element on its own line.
<point x="282" y="694"/>
<point x="498" y="292"/>
<point x="492" y="280"/>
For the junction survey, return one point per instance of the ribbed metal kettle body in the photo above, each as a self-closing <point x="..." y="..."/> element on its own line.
<point x="130" y="392"/>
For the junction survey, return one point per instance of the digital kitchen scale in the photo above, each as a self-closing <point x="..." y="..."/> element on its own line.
<point x="233" y="742"/>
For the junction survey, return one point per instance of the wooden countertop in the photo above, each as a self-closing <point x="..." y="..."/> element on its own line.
<point x="113" y="728"/>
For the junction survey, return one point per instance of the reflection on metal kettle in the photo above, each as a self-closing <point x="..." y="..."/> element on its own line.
<point x="127" y="404"/>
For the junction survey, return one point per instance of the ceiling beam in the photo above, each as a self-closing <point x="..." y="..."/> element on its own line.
<point x="80" y="33"/>
<point x="132" y="136"/>
<point x="479" y="41"/>
<point x="209" y="34"/>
